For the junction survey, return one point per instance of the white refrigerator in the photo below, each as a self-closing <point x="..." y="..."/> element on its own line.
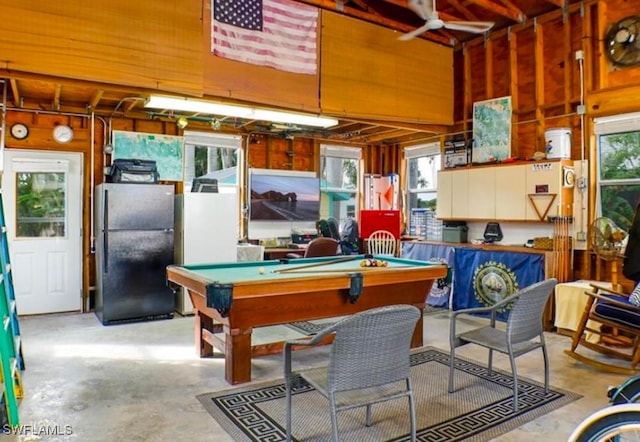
<point x="206" y="231"/>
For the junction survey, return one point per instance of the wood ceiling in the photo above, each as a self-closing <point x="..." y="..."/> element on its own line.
<point x="61" y="95"/>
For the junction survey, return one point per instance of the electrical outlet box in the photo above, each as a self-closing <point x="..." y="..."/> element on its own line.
<point x="580" y="55"/>
<point x="581" y="109"/>
<point x="581" y="236"/>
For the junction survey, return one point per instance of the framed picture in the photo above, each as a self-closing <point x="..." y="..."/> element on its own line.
<point x="491" y="130"/>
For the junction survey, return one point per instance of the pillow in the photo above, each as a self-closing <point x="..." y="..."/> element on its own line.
<point x="634" y="297"/>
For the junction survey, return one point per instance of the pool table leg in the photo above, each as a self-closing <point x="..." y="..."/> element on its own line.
<point x="203" y="322"/>
<point x="416" y="339"/>
<point x="237" y="365"/>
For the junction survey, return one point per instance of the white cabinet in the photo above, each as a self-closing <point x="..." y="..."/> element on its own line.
<point x="206" y="231"/>
<point x="511" y="198"/>
<point x="545" y="193"/>
<point x="482" y="193"/>
<point x="445" y="192"/>
<point x="513" y="192"/>
<point x="453" y="194"/>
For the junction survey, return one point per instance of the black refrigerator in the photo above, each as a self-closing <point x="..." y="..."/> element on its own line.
<point x="134" y="246"/>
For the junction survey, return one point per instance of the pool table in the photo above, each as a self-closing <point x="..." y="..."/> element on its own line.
<point x="233" y="298"/>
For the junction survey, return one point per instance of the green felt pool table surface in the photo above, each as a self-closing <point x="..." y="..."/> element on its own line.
<point x="239" y="272"/>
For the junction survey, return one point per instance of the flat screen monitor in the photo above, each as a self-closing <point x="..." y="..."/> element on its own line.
<point x="284" y="197"/>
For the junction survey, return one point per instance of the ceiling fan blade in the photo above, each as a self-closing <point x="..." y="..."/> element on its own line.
<point x="423" y="8"/>
<point x="477" y="27"/>
<point x="413" y="34"/>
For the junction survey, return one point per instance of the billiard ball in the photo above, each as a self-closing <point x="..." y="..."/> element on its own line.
<point x="261" y="270"/>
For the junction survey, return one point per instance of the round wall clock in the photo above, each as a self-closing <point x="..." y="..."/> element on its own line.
<point x="62" y="133"/>
<point x="19" y="131"/>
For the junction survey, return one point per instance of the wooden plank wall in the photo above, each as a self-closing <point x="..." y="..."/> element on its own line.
<point x="113" y="41"/>
<point x="368" y="73"/>
<point x="535" y="63"/>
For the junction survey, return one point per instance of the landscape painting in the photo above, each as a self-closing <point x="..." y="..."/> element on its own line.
<point x="491" y="130"/>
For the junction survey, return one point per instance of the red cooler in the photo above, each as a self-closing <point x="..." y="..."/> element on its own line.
<point x="372" y="220"/>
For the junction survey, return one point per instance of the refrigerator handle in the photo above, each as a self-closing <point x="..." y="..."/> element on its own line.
<point x="105" y="232"/>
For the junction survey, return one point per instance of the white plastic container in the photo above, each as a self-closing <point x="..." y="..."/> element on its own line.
<point x="558" y="143"/>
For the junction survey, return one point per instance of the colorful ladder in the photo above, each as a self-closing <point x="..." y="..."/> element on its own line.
<point x="11" y="360"/>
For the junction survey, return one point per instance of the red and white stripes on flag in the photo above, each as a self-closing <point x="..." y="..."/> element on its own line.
<point x="276" y="33"/>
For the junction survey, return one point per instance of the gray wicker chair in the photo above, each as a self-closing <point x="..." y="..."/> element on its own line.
<point x="523" y="326"/>
<point x="368" y="363"/>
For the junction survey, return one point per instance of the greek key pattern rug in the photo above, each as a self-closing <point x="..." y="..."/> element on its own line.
<point x="480" y="409"/>
<point x="311" y="328"/>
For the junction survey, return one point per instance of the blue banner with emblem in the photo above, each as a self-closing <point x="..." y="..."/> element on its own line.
<point x="486" y="277"/>
<point x="441" y="289"/>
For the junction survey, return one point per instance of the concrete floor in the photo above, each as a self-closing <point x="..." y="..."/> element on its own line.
<point x="139" y="381"/>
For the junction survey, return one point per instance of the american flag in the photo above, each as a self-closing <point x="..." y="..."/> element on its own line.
<point x="276" y="33"/>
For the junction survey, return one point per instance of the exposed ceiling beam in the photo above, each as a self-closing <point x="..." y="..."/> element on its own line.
<point x="17" y="101"/>
<point x="95" y="99"/>
<point x="464" y="11"/>
<point x="500" y="10"/>
<point x="331" y="5"/>
<point x="385" y="134"/>
<point x="56" y="97"/>
<point x="558" y="3"/>
<point x="513" y="8"/>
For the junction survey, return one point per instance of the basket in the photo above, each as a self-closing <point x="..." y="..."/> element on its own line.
<point x="544" y="243"/>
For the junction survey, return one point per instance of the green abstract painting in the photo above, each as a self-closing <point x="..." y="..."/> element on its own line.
<point x="166" y="150"/>
<point x="491" y="130"/>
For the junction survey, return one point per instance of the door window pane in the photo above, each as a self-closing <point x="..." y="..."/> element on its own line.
<point x="40" y="204"/>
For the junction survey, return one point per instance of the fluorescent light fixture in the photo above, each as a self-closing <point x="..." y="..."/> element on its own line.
<point x="249" y="113"/>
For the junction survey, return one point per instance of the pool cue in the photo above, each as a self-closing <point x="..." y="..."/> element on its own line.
<point x="353" y="269"/>
<point x="318" y="264"/>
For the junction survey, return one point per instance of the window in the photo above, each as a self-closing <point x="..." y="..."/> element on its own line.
<point x="40" y="204"/>
<point x="423" y="164"/>
<point x="212" y="156"/>
<point x="339" y="181"/>
<point x="618" y="167"/>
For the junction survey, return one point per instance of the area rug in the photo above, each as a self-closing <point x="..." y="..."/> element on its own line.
<point x="479" y="410"/>
<point x="311" y="328"/>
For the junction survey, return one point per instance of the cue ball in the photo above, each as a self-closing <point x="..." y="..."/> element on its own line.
<point x="261" y="270"/>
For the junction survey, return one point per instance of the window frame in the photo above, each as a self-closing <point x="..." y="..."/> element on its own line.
<point x="607" y="126"/>
<point x="426" y="150"/>
<point x="343" y="153"/>
<point x="195" y="139"/>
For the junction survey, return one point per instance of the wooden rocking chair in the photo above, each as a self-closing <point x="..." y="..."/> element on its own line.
<point x="619" y="335"/>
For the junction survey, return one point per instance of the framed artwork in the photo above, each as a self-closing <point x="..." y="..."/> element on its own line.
<point x="491" y="130"/>
<point x="165" y="150"/>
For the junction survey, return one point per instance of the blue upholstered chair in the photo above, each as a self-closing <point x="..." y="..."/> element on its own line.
<point x="619" y="333"/>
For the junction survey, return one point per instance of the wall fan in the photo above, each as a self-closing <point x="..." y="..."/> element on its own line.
<point x="426" y="9"/>
<point x="607" y="239"/>
<point x="621" y="40"/>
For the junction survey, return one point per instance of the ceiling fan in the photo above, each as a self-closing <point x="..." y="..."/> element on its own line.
<point x="426" y="9"/>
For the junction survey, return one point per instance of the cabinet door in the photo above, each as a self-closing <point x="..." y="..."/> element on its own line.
<point x="482" y="193"/>
<point x="511" y="195"/>
<point x="543" y="187"/>
<point x="445" y="191"/>
<point x="460" y="194"/>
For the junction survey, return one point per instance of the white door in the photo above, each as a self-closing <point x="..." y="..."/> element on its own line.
<point x="42" y="194"/>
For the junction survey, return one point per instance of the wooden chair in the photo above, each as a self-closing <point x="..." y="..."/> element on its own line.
<point x="368" y="363"/>
<point x="318" y="247"/>
<point x="619" y="334"/>
<point x="381" y="242"/>
<point x="524" y="331"/>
